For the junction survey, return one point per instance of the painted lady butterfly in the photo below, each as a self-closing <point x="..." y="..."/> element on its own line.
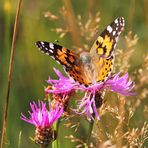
<point x="88" y="67"/>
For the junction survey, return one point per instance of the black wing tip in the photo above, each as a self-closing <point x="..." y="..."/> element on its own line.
<point x="38" y="43"/>
<point x="121" y="19"/>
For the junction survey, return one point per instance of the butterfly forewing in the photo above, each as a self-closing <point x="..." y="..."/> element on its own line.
<point x="65" y="57"/>
<point x="62" y="55"/>
<point x="106" y="42"/>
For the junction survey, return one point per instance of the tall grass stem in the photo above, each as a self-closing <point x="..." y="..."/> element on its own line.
<point x="19" y="140"/>
<point x="10" y="74"/>
<point x="71" y="21"/>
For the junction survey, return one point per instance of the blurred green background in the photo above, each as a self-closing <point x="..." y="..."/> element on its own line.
<point x="31" y="68"/>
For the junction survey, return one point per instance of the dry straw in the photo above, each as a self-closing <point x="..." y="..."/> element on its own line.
<point x="10" y="74"/>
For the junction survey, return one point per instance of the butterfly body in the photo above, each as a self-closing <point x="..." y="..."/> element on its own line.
<point x="92" y="67"/>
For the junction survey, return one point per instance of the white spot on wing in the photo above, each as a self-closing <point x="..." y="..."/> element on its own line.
<point x="114" y="32"/>
<point x="51" y="50"/>
<point x="42" y="43"/>
<point x="109" y="29"/>
<point x="123" y="20"/>
<point x="51" y="45"/>
<point x="116" y="21"/>
<point x="52" y="57"/>
<point x="58" y="62"/>
<point x="42" y="51"/>
<point x="47" y="53"/>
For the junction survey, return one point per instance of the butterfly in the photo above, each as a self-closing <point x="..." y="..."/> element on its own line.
<point x="91" y="67"/>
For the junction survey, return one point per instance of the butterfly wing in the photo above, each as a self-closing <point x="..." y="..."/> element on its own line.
<point x="104" y="47"/>
<point x="62" y="55"/>
<point x="106" y="69"/>
<point x="65" y="57"/>
<point x="106" y="42"/>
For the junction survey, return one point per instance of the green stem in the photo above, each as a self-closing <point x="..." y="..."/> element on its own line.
<point x="56" y="128"/>
<point x="90" y="130"/>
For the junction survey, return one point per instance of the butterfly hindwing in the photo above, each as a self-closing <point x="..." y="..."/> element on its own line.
<point x="76" y="72"/>
<point x="106" y="42"/>
<point x="106" y="68"/>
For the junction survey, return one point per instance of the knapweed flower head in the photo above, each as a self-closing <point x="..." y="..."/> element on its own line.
<point x="66" y="85"/>
<point x="40" y="117"/>
<point x="43" y="119"/>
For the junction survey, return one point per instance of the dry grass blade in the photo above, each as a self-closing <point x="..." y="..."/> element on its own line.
<point x="71" y="21"/>
<point x="9" y="74"/>
<point x="19" y="140"/>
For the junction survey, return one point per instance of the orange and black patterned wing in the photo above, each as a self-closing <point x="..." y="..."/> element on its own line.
<point x="104" y="47"/>
<point x="65" y="57"/>
<point x="106" y="42"/>
<point x="106" y="69"/>
<point x="62" y="55"/>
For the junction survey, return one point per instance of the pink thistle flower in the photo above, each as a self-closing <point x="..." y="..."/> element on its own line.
<point x="62" y="86"/>
<point x="43" y="120"/>
<point x="41" y="117"/>
<point x="65" y="85"/>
